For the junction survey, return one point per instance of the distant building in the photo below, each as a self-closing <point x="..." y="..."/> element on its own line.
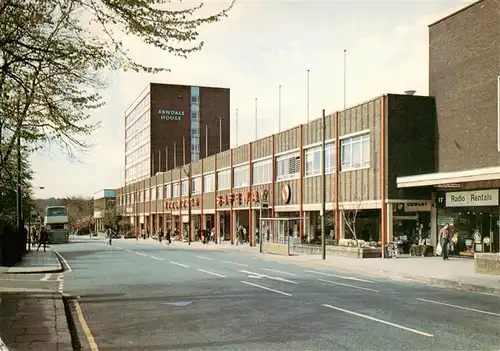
<point x="174" y="119"/>
<point x="103" y="200"/>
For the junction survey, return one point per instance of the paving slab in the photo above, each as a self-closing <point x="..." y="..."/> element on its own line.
<point x="36" y="262"/>
<point x="33" y="321"/>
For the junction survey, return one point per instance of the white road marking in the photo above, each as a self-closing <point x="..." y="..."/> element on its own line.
<point x="212" y="273"/>
<point x="157" y="258"/>
<point x="276" y="271"/>
<point x="342" y="277"/>
<point x="379" y="321"/>
<point x="60" y="279"/>
<point x="205" y="258"/>
<point x="266" y="288"/>
<point x="46" y="277"/>
<point x="129" y="250"/>
<point x="460" y="307"/>
<point x="268" y="277"/>
<point x="348" y="285"/>
<point x="140" y="253"/>
<point x="179" y="264"/>
<point x="236" y="263"/>
<point x="64" y="261"/>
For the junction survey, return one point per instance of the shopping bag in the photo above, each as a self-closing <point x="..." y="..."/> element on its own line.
<point x="439" y="249"/>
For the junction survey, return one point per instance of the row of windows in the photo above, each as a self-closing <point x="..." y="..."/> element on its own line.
<point x="129" y="119"/>
<point x="136" y="155"/>
<point x="355" y="153"/>
<point x="195" y="123"/>
<point x="138" y="125"/>
<point x="140" y="138"/>
<point x="138" y="170"/>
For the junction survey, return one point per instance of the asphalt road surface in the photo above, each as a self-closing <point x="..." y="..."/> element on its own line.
<point x="137" y="296"/>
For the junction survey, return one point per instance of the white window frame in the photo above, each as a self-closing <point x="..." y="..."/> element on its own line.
<point x="185" y="187"/>
<point x="241" y="176"/>
<point x="258" y="169"/>
<point x="175" y="190"/>
<point x="208" y="179"/>
<point x="168" y="189"/>
<point x="329" y="156"/>
<point x="286" y="164"/>
<point x="364" y="141"/>
<point x="196" y="185"/>
<point x="221" y="175"/>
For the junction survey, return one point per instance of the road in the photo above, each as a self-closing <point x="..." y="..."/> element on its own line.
<point x="138" y="296"/>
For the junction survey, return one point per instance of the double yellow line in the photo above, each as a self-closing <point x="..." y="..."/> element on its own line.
<point x="86" y="329"/>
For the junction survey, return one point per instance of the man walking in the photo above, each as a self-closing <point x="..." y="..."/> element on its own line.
<point x="445" y="235"/>
<point x="44" y="237"/>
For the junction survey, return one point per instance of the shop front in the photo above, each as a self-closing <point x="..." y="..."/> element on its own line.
<point x="475" y="218"/>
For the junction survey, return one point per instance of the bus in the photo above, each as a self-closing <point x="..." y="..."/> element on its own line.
<point x="57" y="224"/>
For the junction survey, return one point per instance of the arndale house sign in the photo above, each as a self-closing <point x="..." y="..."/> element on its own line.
<point x="170" y="115"/>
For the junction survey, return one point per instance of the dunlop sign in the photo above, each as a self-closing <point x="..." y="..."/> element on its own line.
<point x="472" y="198"/>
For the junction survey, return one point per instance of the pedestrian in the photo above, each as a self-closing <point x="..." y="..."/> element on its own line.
<point x="44" y="237"/>
<point x="444" y="237"/>
<point x="110" y="235"/>
<point x="168" y="237"/>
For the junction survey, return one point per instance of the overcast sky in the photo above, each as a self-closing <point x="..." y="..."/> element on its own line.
<point x="261" y="45"/>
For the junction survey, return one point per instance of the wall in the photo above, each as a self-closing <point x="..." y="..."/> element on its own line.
<point x="214" y="103"/>
<point x="411" y="124"/>
<point x="464" y="52"/>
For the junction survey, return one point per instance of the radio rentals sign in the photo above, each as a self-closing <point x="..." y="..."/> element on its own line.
<point x="472" y="198"/>
<point x="170" y="115"/>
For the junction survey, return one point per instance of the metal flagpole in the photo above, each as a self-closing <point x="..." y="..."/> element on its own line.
<point x="323" y="192"/>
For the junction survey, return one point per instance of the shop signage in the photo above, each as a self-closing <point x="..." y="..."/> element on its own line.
<point x="285" y="194"/>
<point x="472" y="198"/>
<point x="181" y="204"/>
<point x="170" y="115"/>
<point x="244" y="198"/>
<point x="449" y="185"/>
<point x="417" y="207"/>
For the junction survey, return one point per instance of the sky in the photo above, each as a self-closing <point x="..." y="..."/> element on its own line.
<point x="259" y="46"/>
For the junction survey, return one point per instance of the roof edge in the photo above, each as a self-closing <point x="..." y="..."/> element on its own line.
<point x="455" y="13"/>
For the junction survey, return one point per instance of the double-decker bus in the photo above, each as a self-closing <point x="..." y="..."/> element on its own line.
<point x="57" y="224"/>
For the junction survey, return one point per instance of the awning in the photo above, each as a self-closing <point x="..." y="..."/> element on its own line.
<point x="443" y="178"/>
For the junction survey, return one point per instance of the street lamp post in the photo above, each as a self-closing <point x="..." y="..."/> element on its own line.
<point x="190" y="190"/>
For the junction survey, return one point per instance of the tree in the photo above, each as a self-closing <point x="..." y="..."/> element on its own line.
<point x="111" y="218"/>
<point x="51" y="62"/>
<point x="78" y="208"/>
<point x="350" y="213"/>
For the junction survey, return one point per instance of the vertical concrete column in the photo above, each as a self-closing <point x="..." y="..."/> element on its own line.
<point x="433" y="225"/>
<point x="390" y="222"/>
<point x="341" y="225"/>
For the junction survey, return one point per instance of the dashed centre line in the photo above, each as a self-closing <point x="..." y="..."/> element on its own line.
<point x="212" y="273"/>
<point x="277" y="271"/>
<point x="157" y="258"/>
<point x="379" y="320"/>
<point x="347" y="285"/>
<point x="179" y="264"/>
<point x="460" y="307"/>
<point x="236" y="263"/>
<point x="266" y="288"/>
<point x="341" y="277"/>
<point x="205" y="258"/>
<point x="140" y="253"/>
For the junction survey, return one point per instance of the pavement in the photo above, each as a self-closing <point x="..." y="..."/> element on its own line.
<point x="142" y="295"/>
<point x="35" y="262"/>
<point x="32" y="312"/>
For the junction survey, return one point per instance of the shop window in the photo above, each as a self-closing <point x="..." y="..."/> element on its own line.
<point x="262" y="172"/>
<point x="355" y="152"/>
<point x="288" y="166"/>
<point x="240" y="176"/>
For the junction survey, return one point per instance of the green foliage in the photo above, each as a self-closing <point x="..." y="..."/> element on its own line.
<point x="111" y="218"/>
